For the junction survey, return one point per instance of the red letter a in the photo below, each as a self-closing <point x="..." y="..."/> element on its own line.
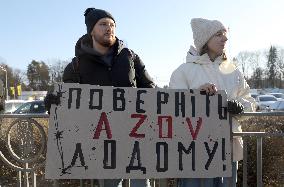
<point x="103" y="120"/>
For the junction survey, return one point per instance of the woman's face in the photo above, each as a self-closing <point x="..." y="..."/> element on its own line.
<point x="217" y="42"/>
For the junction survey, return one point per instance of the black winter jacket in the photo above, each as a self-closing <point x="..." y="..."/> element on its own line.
<point x="126" y="68"/>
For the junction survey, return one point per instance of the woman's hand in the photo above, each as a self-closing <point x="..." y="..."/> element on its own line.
<point x="208" y="88"/>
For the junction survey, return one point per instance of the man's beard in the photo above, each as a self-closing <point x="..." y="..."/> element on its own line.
<point x="103" y="42"/>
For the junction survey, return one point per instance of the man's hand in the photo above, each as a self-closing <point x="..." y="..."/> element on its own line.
<point x="51" y="99"/>
<point x="235" y="107"/>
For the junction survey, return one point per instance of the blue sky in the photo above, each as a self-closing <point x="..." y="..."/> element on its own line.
<point x="157" y="30"/>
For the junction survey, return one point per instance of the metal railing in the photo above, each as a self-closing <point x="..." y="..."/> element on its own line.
<point x="259" y="136"/>
<point x="23" y="163"/>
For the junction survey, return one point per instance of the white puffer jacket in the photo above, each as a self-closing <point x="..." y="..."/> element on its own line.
<point x="199" y="70"/>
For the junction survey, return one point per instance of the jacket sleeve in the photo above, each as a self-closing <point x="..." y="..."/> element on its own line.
<point x="243" y="94"/>
<point x="178" y="79"/>
<point x="67" y="74"/>
<point x="71" y="72"/>
<point x="51" y="98"/>
<point x="143" y="78"/>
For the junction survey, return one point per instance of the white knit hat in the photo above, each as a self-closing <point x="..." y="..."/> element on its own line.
<point x="203" y="30"/>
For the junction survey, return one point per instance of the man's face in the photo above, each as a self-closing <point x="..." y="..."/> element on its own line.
<point x="104" y="32"/>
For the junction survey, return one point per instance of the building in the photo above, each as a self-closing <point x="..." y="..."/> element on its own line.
<point x="32" y="95"/>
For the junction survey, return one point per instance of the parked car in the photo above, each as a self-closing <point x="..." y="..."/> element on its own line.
<point x="279" y="96"/>
<point x="278" y="106"/>
<point x="12" y="105"/>
<point x="264" y="101"/>
<point x="254" y="95"/>
<point x="31" y="107"/>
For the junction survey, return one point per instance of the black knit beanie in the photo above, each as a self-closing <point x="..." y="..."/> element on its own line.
<point x="93" y="15"/>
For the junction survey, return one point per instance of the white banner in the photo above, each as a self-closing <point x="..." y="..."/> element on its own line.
<point x="106" y="133"/>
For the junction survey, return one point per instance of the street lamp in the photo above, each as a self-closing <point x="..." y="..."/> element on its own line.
<point x="6" y="87"/>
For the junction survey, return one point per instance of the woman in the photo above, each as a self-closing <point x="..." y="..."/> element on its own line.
<point x="207" y="68"/>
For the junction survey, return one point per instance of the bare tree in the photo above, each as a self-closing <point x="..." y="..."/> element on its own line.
<point x="255" y="60"/>
<point x="242" y="60"/>
<point x="56" y="70"/>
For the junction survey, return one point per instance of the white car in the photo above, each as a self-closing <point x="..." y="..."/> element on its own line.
<point x="12" y="105"/>
<point x="279" y="96"/>
<point x="254" y="95"/>
<point x="264" y="101"/>
<point x="32" y="107"/>
<point x="278" y="106"/>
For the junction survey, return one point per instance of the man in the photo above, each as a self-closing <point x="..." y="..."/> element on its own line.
<point x="102" y="59"/>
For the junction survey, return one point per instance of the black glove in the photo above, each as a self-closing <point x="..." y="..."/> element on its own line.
<point x="2" y="107"/>
<point x="2" y="104"/>
<point x="235" y="107"/>
<point x="51" y="99"/>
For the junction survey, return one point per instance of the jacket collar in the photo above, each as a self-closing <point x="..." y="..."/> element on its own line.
<point x="193" y="57"/>
<point x="85" y="46"/>
<point x="224" y="65"/>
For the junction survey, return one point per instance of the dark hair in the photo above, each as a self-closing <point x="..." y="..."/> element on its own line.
<point x="205" y="49"/>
